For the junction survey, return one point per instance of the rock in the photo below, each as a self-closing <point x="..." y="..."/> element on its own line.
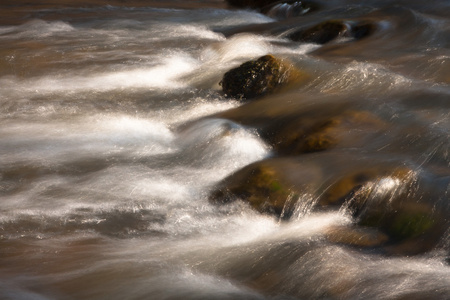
<point x="394" y="200"/>
<point x="251" y="3"/>
<point x="260" y="186"/>
<point x="321" y="33"/>
<point x="329" y="30"/>
<point x="276" y="8"/>
<point x="394" y="207"/>
<point x="363" y="237"/>
<point x="256" y="78"/>
<point x="399" y="205"/>
<point x="359" y="183"/>
<point x="287" y="9"/>
<point x="320" y="131"/>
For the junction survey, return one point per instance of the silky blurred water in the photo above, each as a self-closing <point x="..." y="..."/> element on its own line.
<point x="113" y="132"/>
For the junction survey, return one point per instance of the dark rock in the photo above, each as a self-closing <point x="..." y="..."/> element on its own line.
<point x="256" y="78"/>
<point x="251" y="3"/>
<point x="362" y="30"/>
<point x="321" y="33"/>
<point x="276" y="8"/>
<point x="329" y="30"/>
<point x="286" y="9"/>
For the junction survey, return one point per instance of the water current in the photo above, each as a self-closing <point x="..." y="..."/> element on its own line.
<point x="114" y="132"/>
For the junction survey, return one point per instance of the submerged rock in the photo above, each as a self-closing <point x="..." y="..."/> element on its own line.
<point x="276" y="8"/>
<point x="318" y="132"/>
<point x="257" y="78"/>
<point x="286" y="9"/>
<point x="356" y="184"/>
<point x="251" y="3"/>
<point x="329" y="30"/>
<point x="395" y="202"/>
<point x="363" y="237"/>
<point x="393" y="208"/>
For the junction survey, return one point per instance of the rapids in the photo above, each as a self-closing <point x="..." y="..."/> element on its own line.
<point x="114" y="131"/>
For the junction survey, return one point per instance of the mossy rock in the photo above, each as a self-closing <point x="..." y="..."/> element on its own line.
<point x="257" y="78"/>
<point x="400" y="221"/>
<point x="394" y="201"/>
<point x="260" y="187"/>
<point x="380" y="197"/>
<point x="272" y="186"/>
<point x="399" y="205"/>
<point x="327" y="31"/>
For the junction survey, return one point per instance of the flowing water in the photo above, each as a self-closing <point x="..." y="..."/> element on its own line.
<point x="114" y="131"/>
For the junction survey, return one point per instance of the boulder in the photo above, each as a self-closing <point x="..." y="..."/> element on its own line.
<point x="329" y="30"/>
<point x="402" y="206"/>
<point x="394" y="207"/>
<point x="257" y="78"/>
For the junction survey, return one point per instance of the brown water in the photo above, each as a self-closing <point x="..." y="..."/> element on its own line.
<point x="114" y="132"/>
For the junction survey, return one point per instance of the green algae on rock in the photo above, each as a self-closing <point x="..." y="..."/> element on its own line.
<point x="389" y="202"/>
<point x="261" y="187"/>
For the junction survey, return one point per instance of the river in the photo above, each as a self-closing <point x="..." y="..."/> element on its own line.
<point x="115" y="132"/>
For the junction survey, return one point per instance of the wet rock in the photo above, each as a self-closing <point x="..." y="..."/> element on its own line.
<point x="398" y="205"/>
<point x="260" y="186"/>
<point x="394" y="200"/>
<point x="271" y="186"/>
<point x="393" y="207"/>
<point x="256" y="78"/>
<point x="358" y="184"/>
<point x="330" y="30"/>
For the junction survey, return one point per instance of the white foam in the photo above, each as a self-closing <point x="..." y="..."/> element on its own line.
<point x="197" y="108"/>
<point x="98" y="134"/>
<point x="38" y="29"/>
<point x="221" y="143"/>
<point x="364" y="76"/>
<point x="164" y="75"/>
<point x="187" y="31"/>
<point x="238" y="47"/>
